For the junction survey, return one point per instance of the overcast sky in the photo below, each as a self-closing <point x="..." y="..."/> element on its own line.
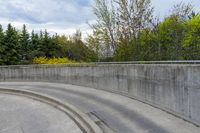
<point x="63" y="16"/>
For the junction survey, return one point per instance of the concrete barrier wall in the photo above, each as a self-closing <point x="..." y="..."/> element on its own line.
<point x="174" y="88"/>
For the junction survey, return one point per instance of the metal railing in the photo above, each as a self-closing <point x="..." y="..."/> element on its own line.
<point x="154" y="62"/>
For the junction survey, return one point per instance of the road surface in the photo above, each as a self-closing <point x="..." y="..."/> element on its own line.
<point x="24" y="115"/>
<point x="113" y="113"/>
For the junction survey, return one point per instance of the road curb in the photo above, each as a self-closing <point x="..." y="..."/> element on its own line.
<point x="82" y="120"/>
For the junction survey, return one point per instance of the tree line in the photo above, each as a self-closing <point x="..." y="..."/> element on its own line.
<point x="128" y="30"/>
<point x="21" y="47"/>
<point x="125" y="30"/>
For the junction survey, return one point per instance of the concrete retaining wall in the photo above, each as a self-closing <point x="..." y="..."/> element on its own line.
<point x="174" y="88"/>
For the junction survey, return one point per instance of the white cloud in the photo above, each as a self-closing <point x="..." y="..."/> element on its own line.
<point x="58" y="16"/>
<point x="62" y="16"/>
<point x="162" y="7"/>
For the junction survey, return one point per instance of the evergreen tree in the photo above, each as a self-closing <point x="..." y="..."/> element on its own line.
<point x="49" y="46"/>
<point x="11" y="51"/>
<point x="25" y="44"/>
<point x="46" y="45"/>
<point x="1" y="44"/>
<point x="34" y="45"/>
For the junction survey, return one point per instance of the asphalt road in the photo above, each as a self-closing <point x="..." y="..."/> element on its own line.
<point x="20" y="114"/>
<point x="112" y="112"/>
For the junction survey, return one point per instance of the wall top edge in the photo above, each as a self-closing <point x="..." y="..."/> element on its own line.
<point x="95" y="65"/>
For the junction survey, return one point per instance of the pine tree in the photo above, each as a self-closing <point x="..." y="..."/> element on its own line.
<point x="46" y="44"/>
<point x="34" y="45"/>
<point x="1" y="44"/>
<point x="40" y="44"/>
<point x="49" y="47"/>
<point x="25" y="45"/>
<point x="11" y="54"/>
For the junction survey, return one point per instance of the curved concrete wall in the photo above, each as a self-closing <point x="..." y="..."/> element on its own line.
<point x="174" y="88"/>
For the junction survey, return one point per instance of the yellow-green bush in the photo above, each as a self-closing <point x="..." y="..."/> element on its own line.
<point x="45" y="60"/>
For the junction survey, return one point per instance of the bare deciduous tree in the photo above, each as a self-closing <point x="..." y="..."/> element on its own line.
<point x="134" y="15"/>
<point x="182" y="10"/>
<point x="106" y="24"/>
<point x="122" y="19"/>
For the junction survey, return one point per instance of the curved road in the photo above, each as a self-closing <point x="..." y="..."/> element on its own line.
<point x="20" y="114"/>
<point x="111" y="112"/>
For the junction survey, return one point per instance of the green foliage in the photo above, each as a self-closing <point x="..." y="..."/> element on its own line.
<point x="123" y="51"/>
<point x="191" y="41"/>
<point x="1" y="44"/>
<point x="11" y="47"/>
<point x="25" y="44"/>
<point x="174" y="38"/>
<point x="19" y="47"/>
<point x="94" y="46"/>
<point x="139" y="36"/>
<point x="75" y="49"/>
<point x="48" y="47"/>
<point x="171" y="35"/>
<point x="149" y="49"/>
